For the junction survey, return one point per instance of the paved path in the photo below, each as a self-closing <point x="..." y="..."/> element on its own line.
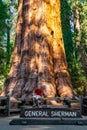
<point x="4" y="125"/>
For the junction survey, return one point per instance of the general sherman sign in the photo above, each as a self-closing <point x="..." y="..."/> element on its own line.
<point x="49" y="113"/>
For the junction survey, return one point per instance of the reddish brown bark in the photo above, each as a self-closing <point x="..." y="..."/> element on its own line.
<point x="39" y="56"/>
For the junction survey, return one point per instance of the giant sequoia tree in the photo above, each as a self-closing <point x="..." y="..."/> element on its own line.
<point x="38" y="58"/>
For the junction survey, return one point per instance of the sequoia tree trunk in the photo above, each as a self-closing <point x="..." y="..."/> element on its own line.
<point x="39" y="57"/>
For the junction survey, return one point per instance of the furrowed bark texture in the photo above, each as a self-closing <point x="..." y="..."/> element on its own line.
<point x="39" y="57"/>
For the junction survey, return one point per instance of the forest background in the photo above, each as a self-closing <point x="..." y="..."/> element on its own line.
<point x="74" y="28"/>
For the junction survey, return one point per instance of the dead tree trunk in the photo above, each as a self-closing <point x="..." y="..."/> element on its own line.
<point x="39" y="57"/>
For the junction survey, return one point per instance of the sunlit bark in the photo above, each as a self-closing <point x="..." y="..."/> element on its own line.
<point x="39" y="57"/>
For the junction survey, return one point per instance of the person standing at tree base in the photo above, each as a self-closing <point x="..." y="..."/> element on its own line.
<point x="37" y="95"/>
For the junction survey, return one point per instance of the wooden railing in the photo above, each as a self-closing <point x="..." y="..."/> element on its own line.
<point x="84" y="106"/>
<point x="5" y="105"/>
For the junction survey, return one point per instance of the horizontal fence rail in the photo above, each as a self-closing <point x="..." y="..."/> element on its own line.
<point x="78" y="103"/>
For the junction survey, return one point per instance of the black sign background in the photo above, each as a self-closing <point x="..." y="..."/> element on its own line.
<point x="50" y="113"/>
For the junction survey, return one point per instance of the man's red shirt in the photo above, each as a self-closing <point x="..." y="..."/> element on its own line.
<point x="38" y="91"/>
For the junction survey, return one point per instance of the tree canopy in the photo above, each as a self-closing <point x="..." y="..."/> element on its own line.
<point x="74" y="28"/>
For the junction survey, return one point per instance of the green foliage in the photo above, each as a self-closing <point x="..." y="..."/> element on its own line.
<point x="80" y="35"/>
<point x="3" y="17"/>
<point x="83" y="21"/>
<point x="71" y="37"/>
<point x="66" y="28"/>
<point x="8" y="16"/>
<point x="8" y="9"/>
<point x="2" y="79"/>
